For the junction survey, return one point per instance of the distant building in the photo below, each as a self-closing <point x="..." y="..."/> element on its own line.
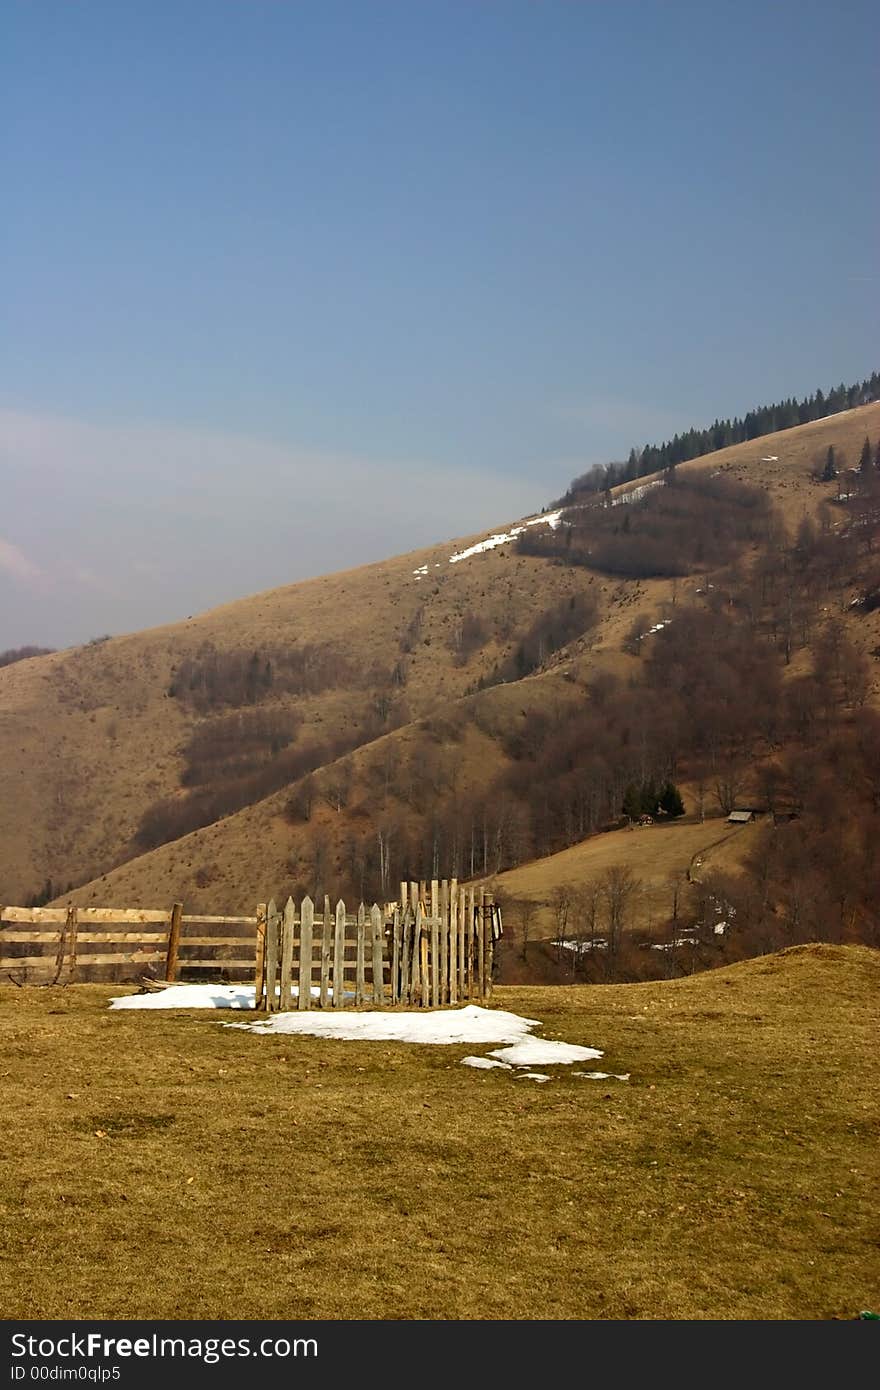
<point x="740" y="817"/>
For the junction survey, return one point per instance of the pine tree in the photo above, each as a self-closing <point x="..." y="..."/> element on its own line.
<point x="865" y="456"/>
<point x="632" y="802"/>
<point x="670" y="800"/>
<point x="830" y="470"/>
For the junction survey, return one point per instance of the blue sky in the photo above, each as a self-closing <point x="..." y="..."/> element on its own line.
<point x="337" y="274"/>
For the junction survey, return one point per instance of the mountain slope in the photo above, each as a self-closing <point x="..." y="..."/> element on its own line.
<point x="448" y="744"/>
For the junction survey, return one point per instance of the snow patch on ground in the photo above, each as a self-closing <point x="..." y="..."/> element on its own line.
<point x="540" y="1052"/>
<point x="602" y="1075"/>
<point x="532" y="1076"/>
<point x="468" y="1025"/>
<point x="190" y="997"/>
<point x="485" y="1064"/>
<point x="658" y="627"/>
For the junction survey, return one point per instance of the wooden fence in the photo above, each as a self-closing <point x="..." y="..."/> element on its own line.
<point x="66" y="944"/>
<point x="434" y="947"/>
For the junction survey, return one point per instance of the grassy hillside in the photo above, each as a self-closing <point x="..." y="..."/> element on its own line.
<point x="660" y="856"/>
<point x="733" y="1176"/>
<point x="90" y="739"/>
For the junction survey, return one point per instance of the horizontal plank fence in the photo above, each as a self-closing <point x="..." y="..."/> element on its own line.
<point x="432" y="948"/>
<point x="67" y="944"/>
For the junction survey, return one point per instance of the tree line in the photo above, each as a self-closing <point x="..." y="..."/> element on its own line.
<point x="694" y="443"/>
<point x="13" y="654"/>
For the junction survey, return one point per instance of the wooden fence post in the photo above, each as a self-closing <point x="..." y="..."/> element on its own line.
<point x="339" y="958"/>
<point x="326" y="943"/>
<point x="378" y="927"/>
<point x="71" y="926"/>
<point x="360" y="956"/>
<point x="272" y="920"/>
<point x="306" y="924"/>
<point x="471" y="957"/>
<point x="416" y="967"/>
<point x="490" y="942"/>
<point x="173" y="941"/>
<point x="444" y="942"/>
<point x="395" y="957"/>
<point x="435" y="943"/>
<point x="260" y="962"/>
<point x="481" y="945"/>
<point x="453" y="941"/>
<point x="287" y="928"/>
<point x="425" y="964"/>
<point x="406" y="958"/>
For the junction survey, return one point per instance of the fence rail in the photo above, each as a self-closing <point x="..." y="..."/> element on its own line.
<point x="433" y="947"/>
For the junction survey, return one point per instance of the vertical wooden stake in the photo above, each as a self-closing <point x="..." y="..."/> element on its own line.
<point x="339" y="958"/>
<point x="471" y="955"/>
<point x="273" y="918"/>
<point x="424" y="967"/>
<point x="306" y="924"/>
<point x="378" y="933"/>
<point x="287" y="931"/>
<point x="260" y="962"/>
<point x="453" y="941"/>
<point x="435" y="943"/>
<point x="326" y="948"/>
<point x="173" y="942"/>
<point x="416" y="975"/>
<point x="490" y="944"/>
<point x="481" y="945"/>
<point x="444" y="942"/>
<point x="360" y="954"/>
<point x="71" y="927"/>
<point x="406" y="958"/>
<point x="395" y="957"/>
<point x="462" y="943"/>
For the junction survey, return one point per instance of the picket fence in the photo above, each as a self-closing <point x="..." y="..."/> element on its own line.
<point x="433" y="947"/>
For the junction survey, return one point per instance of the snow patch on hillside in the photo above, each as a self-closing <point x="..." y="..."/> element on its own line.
<point x="551" y="519"/>
<point x="636" y="494"/>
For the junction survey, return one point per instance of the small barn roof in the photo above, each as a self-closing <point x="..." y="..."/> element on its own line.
<point x="740" y="817"/>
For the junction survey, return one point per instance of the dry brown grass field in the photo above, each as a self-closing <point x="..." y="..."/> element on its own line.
<point x="89" y="737"/>
<point x="659" y="857"/>
<point x="159" y="1165"/>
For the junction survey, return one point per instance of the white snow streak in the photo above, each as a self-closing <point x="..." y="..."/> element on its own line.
<point x="637" y="493"/>
<point x="602" y="1075"/>
<point x="484" y="1064"/>
<point x="550" y="519"/>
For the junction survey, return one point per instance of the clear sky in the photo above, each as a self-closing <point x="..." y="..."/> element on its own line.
<point x="289" y="286"/>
